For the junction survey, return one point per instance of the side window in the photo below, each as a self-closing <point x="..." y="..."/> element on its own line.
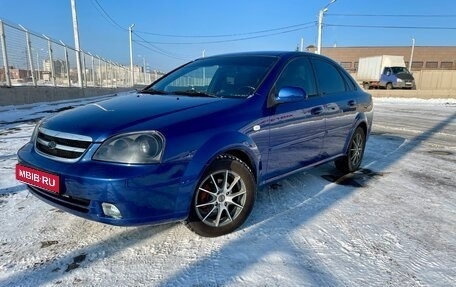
<point x="298" y="73"/>
<point x="352" y="86"/>
<point x="328" y="77"/>
<point x="387" y="71"/>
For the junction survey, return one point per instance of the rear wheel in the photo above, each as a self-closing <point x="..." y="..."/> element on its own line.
<point x="352" y="160"/>
<point x="223" y="199"/>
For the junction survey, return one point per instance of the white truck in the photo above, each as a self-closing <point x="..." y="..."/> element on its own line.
<point x="384" y="72"/>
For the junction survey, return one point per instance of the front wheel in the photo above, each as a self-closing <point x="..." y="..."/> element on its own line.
<point x="223" y="198"/>
<point x="352" y="160"/>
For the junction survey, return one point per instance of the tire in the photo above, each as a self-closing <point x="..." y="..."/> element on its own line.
<point x="223" y="198"/>
<point x="366" y="86"/>
<point x="389" y="86"/>
<point x="352" y="161"/>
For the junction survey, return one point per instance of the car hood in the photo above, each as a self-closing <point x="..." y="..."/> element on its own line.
<point x="405" y="76"/>
<point x="124" y="113"/>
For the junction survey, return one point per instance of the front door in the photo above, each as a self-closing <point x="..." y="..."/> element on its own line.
<point x="296" y="129"/>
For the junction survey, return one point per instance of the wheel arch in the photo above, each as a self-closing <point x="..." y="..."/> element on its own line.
<point x="246" y="158"/>
<point x="232" y="143"/>
<point x="363" y="125"/>
<point x="361" y="121"/>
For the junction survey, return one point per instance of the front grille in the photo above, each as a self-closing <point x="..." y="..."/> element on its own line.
<point x="61" y="146"/>
<point x="74" y="203"/>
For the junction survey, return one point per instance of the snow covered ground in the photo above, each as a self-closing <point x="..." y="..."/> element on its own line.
<point x="393" y="223"/>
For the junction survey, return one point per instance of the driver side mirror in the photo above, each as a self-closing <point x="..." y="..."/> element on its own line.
<point x="290" y="95"/>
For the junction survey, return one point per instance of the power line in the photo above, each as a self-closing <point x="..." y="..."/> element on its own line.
<point x="117" y="25"/>
<point x="156" y="51"/>
<point x="392" y="27"/>
<point x="391" y="15"/>
<point x="150" y="45"/>
<point x="106" y="15"/>
<point x="230" y="40"/>
<point x="153" y="48"/>
<point x="226" y="35"/>
<point x="290" y="28"/>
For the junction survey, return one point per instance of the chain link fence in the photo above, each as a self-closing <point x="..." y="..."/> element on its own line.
<point x="30" y="59"/>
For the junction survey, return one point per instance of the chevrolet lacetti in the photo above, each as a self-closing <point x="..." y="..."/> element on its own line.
<point x="197" y="144"/>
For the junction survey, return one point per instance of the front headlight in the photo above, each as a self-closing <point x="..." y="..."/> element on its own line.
<point x="399" y="80"/>
<point x="132" y="148"/>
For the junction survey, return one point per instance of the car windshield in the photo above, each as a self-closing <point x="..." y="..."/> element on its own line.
<point x="398" y="70"/>
<point x="224" y="76"/>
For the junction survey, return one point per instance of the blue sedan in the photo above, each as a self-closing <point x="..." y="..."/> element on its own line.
<point x="197" y="144"/>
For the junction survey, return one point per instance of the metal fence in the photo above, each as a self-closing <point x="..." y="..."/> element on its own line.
<point x="29" y="58"/>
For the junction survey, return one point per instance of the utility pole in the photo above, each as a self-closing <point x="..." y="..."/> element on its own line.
<point x="67" y="63"/>
<point x="411" y="54"/>
<point x="144" y="69"/>
<point x="144" y="62"/>
<point x="320" y="24"/>
<point x="51" y="60"/>
<point x="29" y="53"/>
<point x="76" y="42"/>
<point x="4" y="54"/>
<point x="203" y="54"/>
<point x="130" y="31"/>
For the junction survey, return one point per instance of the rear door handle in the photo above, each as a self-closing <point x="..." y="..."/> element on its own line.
<point x="351" y="103"/>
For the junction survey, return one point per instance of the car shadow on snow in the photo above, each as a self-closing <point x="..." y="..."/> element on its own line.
<point x="281" y="210"/>
<point x="303" y="187"/>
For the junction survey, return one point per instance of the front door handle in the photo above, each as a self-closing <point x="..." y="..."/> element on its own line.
<point x="316" y="111"/>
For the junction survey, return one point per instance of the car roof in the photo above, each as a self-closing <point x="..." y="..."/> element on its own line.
<point x="280" y="54"/>
<point x="263" y="53"/>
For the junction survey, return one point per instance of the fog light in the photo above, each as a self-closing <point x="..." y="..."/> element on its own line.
<point x="111" y="210"/>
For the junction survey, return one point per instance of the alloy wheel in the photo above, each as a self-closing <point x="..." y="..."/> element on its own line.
<point x="220" y="198"/>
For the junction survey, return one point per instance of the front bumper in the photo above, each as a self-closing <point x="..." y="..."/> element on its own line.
<point x="144" y="194"/>
<point x="405" y="85"/>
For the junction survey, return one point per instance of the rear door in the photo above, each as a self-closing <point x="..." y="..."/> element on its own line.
<point x="340" y="100"/>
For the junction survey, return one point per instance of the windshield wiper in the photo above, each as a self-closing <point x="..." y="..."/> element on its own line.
<point x="194" y="93"/>
<point x="152" y="92"/>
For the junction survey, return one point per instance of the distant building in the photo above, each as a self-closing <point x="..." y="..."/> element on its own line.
<point x="59" y="67"/>
<point x="15" y="74"/>
<point x="424" y="57"/>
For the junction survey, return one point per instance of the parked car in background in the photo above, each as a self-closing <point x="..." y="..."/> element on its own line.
<point x="197" y="144"/>
<point x="387" y="72"/>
